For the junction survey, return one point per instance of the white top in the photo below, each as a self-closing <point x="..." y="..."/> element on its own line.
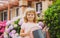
<point x="29" y="26"/>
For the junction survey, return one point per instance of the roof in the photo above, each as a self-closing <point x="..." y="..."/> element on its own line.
<point x="4" y="4"/>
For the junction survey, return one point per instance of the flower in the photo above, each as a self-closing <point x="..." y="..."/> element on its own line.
<point x="41" y="24"/>
<point x="38" y="12"/>
<point x="5" y="35"/>
<point x="21" y="21"/>
<point x="15" y="18"/>
<point x="11" y="27"/>
<point x="8" y="22"/>
<point x="7" y="30"/>
<point x="15" y="25"/>
<point x="13" y="31"/>
<point x="11" y="35"/>
<point x="16" y="34"/>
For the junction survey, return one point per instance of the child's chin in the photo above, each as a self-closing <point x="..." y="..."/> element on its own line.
<point x="31" y="20"/>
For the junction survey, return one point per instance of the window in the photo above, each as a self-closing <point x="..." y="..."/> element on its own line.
<point x="17" y="9"/>
<point x="39" y="8"/>
<point x="3" y="15"/>
<point x="10" y="16"/>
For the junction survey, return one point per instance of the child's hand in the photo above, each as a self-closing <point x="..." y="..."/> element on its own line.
<point x="28" y="33"/>
<point x="24" y="34"/>
<point x="47" y="29"/>
<point x="44" y="29"/>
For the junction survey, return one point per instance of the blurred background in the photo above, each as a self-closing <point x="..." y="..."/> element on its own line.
<point x="48" y="11"/>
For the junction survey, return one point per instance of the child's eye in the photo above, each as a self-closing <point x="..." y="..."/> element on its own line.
<point x="31" y="14"/>
<point x="28" y="14"/>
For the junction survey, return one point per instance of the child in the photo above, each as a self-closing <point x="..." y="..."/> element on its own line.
<point x="30" y="22"/>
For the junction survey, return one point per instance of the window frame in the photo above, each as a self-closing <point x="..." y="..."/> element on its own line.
<point x="2" y="16"/>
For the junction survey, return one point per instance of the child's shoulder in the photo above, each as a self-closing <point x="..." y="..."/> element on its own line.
<point x="23" y="25"/>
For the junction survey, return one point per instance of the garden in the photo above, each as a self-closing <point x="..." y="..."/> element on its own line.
<point x="51" y="18"/>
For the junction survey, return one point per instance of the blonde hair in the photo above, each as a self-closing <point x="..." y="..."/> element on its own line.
<point x="28" y="10"/>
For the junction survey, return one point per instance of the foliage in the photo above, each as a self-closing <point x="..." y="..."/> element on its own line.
<point x="52" y="19"/>
<point x="18" y="26"/>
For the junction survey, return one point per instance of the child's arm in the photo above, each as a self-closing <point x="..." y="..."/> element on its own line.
<point x="24" y="34"/>
<point x="47" y="33"/>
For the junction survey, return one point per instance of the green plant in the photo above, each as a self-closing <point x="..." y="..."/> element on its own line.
<point x="52" y="19"/>
<point x="18" y="26"/>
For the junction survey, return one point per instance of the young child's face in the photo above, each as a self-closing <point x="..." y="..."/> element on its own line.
<point x="30" y="16"/>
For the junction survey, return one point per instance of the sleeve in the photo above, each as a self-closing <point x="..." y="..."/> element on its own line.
<point x="23" y="26"/>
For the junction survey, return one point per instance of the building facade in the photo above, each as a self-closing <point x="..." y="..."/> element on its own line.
<point x="39" y="5"/>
